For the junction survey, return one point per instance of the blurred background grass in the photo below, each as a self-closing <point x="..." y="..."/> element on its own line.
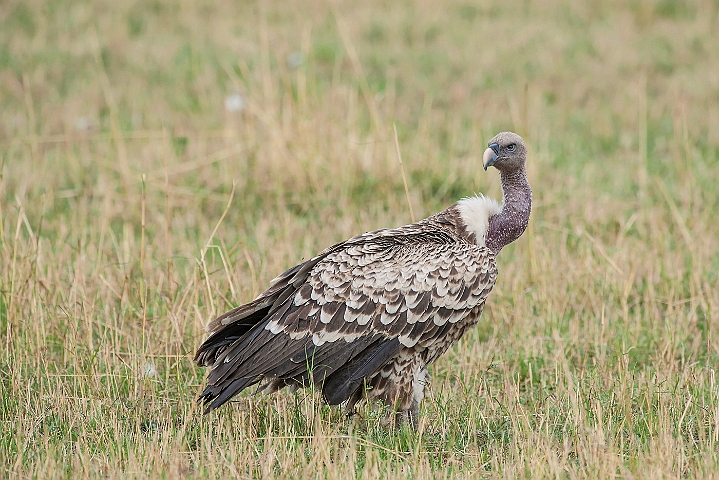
<point x="162" y="161"/>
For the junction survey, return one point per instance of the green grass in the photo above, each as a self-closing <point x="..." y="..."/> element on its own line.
<point x="598" y="349"/>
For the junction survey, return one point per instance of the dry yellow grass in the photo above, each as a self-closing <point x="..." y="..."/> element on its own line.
<point x="162" y="161"/>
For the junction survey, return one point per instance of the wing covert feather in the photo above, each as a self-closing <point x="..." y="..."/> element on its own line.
<point x="396" y="291"/>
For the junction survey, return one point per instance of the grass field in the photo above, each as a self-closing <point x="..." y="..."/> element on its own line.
<point x="161" y="161"/>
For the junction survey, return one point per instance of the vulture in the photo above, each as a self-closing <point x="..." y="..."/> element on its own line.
<point x="365" y="317"/>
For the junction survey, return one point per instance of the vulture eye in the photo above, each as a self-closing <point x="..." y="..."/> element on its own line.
<point x="511" y="147"/>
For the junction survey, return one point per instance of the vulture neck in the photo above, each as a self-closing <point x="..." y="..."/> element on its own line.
<point x="506" y="226"/>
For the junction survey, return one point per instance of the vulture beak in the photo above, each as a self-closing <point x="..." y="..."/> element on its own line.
<point x="490" y="155"/>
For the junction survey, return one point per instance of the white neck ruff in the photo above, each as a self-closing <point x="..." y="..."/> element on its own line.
<point x="475" y="212"/>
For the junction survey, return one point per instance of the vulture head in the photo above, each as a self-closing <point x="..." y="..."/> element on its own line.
<point x="506" y="152"/>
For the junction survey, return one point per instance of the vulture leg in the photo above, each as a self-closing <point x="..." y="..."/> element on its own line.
<point x="409" y="412"/>
<point x="409" y="417"/>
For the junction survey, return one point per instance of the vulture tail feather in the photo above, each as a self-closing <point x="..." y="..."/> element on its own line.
<point x="215" y="401"/>
<point x="213" y="347"/>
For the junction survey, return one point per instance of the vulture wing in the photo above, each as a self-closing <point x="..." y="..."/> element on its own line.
<point x="339" y="317"/>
